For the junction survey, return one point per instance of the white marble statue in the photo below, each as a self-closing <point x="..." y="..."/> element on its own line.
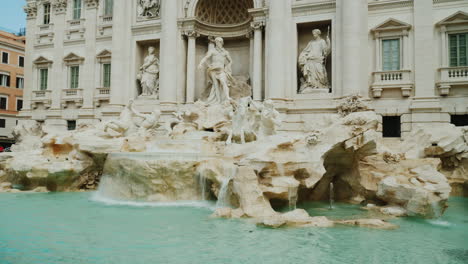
<point x="239" y="124"/>
<point x="149" y="123"/>
<point x="149" y="74"/>
<point x="312" y="62"/>
<point x="219" y="72"/>
<point x="149" y="8"/>
<point x="270" y="119"/>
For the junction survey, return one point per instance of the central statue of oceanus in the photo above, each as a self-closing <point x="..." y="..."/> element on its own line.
<point x="223" y="85"/>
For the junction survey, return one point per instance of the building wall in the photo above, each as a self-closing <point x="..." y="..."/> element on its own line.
<point x="420" y="98"/>
<point x="14" y="46"/>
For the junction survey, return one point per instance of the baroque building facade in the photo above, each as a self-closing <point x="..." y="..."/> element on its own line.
<point x="11" y="84"/>
<point x="85" y="59"/>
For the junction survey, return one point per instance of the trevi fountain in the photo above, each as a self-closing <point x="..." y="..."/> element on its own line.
<point x="220" y="181"/>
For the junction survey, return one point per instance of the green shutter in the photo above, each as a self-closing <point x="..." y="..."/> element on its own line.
<point x="74" y="77"/>
<point x="107" y="75"/>
<point x="43" y="81"/>
<point x="76" y="9"/>
<point x="458" y="49"/>
<point x="391" y="54"/>
<point x="108" y="7"/>
<point x="462" y="49"/>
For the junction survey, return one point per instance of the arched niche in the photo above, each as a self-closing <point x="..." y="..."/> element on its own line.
<point x="192" y="5"/>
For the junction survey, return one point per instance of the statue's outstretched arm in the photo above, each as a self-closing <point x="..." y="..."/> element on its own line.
<point x="203" y="61"/>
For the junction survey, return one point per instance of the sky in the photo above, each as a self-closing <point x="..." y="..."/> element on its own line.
<point x="12" y="16"/>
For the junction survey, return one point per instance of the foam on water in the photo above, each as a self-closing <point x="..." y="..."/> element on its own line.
<point x="97" y="197"/>
<point x="439" y="222"/>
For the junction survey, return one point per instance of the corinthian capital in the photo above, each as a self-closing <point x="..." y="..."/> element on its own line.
<point x="60" y="6"/>
<point x="92" y="3"/>
<point x="257" y="25"/>
<point x="30" y="9"/>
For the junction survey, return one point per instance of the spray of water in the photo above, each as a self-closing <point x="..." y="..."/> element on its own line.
<point x="224" y="194"/>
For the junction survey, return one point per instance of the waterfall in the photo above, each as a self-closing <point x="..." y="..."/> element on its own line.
<point x="223" y="195"/>
<point x="332" y="195"/>
<point x="201" y="181"/>
<point x="292" y="198"/>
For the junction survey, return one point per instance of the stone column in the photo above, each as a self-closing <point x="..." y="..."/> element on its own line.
<point x="257" y="61"/>
<point x="276" y="49"/>
<point x="169" y="43"/>
<point x="378" y="53"/>
<point x="354" y="46"/>
<point x="191" y="65"/>
<point x="89" y="65"/>
<point x="121" y="46"/>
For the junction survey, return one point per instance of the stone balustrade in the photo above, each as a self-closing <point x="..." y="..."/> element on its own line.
<point x="41" y="97"/>
<point x="72" y="95"/>
<point x="101" y="94"/>
<point x="401" y="79"/>
<point x="450" y="76"/>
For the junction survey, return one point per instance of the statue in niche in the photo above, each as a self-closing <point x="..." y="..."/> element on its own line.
<point x="223" y="85"/>
<point x="312" y="62"/>
<point x="149" y="8"/>
<point x="149" y="75"/>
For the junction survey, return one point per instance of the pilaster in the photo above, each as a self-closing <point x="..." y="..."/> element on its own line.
<point x="90" y="55"/>
<point x="169" y="50"/>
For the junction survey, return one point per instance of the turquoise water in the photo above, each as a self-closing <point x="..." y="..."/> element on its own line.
<point x="73" y="228"/>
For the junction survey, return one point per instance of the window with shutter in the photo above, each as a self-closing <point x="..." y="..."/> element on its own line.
<point x="458" y="49"/>
<point x="74" y="77"/>
<point x="4" y="80"/>
<point x="76" y="9"/>
<point x="5" y="57"/>
<point x="3" y="103"/>
<point x="19" y="104"/>
<point x="21" y="61"/>
<point x="43" y="79"/>
<point x="391" y="54"/>
<point x="109" y="6"/>
<point x="106" y="75"/>
<point x="20" y="82"/>
<point x="46" y="14"/>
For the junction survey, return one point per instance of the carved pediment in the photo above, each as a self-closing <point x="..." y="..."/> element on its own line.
<point x="72" y="58"/>
<point x="104" y="56"/>
<point x="455" y="19"/>
<point x="392" y="25"/>
<point x="41" y="61"/>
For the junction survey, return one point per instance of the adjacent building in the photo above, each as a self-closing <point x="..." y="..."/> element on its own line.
<point x="11" y="83"/>
<point x="409" y="58"/>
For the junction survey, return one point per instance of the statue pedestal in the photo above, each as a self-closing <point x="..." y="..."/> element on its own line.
<point x="314" y="91"/>
<point x="146" y="103"/>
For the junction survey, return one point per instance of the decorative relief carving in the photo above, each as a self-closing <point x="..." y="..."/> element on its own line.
<point x="224" y="12"/>
<point x="60" y="6"/>
<point x="30" y="9"/>
<point x="92" y="3"/>
<point x="149" y="8"/>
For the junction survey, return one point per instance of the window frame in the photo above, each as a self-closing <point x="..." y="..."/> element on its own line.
<point x="46" y="15"/>
<point x="19" y="59"/>
<point x="103" y="75"/>
<point x="8" y="57"/>
<point x="18" y="82"/>
<point x="108" y="11"/>
<point x="7" y="79"/>
<point x="6" y="102"/>
<point x="71" y="84"/>
<point x="449" y="56"/>
<point x="77" y="8"/>
<point x="400" y="50"/>
<point x="22" y="103"/>
<point x="40" y="70"/>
